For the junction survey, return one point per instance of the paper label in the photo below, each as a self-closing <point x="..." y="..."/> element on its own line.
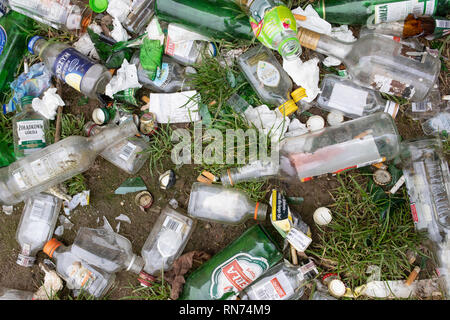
<point x="180" y="49"/>
<point x="391" y="108"/>
<point x="39" y="211"/>
<point x="31" y="134"/>
<point x="277" y="287"/>
<point x="173" y="224"/>
<point x="176" y="107"/>
<point x="421" y="106"/>
<point x="81" y="277"/>
<point x="162" y="75"/>
<point x="3" y="39"/>
<point x="399" y="10"/>
<point x="127" y="151"/>
<point x="268" y="74"/>
<point x="347" y="99"/>
<point x="298" y="239"/>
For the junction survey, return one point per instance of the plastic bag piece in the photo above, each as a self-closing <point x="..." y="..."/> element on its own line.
<point x="151" y="56"/>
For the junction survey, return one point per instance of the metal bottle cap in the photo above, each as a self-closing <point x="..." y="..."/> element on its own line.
<point x="382" y="177"/>
<point x="144" y="199"/>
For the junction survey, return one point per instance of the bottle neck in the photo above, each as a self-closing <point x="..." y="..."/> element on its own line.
<point x="258" y="212"/>
<point x="39" y="46"/>
<point x="324" y="44"/>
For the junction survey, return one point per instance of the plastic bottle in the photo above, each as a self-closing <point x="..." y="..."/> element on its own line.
<point x="223" y="205"/>
<point x="127" y="154"/>
<point x="283" y="281"/>
<point x="36" y="226"/>
<point x="166" y="241"/>
<point x="380" y="64"/>
<point x="14" y="294"/>
<point x="77" y="274"/>
<point x="352" y="144"/>
<point x="57" y="163"/>
<point x="13" y="44"/>
<point x="437" y="124"/>
<point x="72" y="67"/>
<point x="29" y="128"/>
<point x="350" y="99"/>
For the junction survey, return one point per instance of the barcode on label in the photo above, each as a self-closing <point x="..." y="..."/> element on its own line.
<point x="127" y="151"/>
<point x="442" y="23"/>
<point x="298" y="239"/>
<point x="419" y="106"/>
<point x="172" y="224"/>
<point x="38" y="210"/>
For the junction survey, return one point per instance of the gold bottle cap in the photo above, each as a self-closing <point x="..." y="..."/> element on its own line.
<point x="288" y="108"/>
<point x="382" y="177"/>
<point x="298" y="94"/>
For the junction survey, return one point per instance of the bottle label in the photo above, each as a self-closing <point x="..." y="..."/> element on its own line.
<point x="127" y="151"/>
<point x="442" y="29"/>
<point x="181" y="49"/>
<point x="347" y="99"/>
<point x="422" y="106"/>
<point x="80" y="276"/>
<point x="399" y="10"/>
<point x="31" y="134"/>
<point x="298" y="239"/>
<point x="281" y="216"/>
<point x="277" y="287"/>
<point x="71" y="66"/>
<point x="38" y="211"/>
<point x="268" y="74"/>
<point x="173" y="224"/>
<point x="162" y="75"/>
<point x="391" y="108"/>
<point x="308" y="39"/>
<point x="391" y="86"/>
<point x="3" y="39"/>
<point x="236" y="273"/>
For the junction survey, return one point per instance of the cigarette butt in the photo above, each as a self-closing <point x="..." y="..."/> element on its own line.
<point x="145" y="99"/>
<point x="299" y="17"/>
<point x="412" y="276"/>
<point x="212" y="103"/>
<point x="294" y="256"/>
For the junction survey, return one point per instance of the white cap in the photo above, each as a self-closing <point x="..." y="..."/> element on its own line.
<point x="322" y="216"/>
<point x="315" y="123"/>
<point x="98" y="116"/>
<point x="334" y="118"/>
<point x="336" y="288"/>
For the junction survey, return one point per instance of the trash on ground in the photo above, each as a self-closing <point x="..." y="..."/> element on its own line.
<point x="131" y="185"/>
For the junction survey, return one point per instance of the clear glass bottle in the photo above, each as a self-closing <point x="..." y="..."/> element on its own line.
<point x="106" y="250"/>
<point x="350" y="99"/>
<point x="139" y="17"/>
<point x="380" y="64"/>
<point x="29" y="129"/>
<point x="351" y="144"/>
<point x="36" y="226"/>
<point x="223" y="205"/>
<point x="437" y="124"/>
<point x="70" y="66"/>
<point x="57" y="163"/>
<point x="59" y="14"/>
<point x="429" y="107"/>
<point x="127" y="154"/>
<point x="253" y="171"/>
<point x="283" y="281"/>
<point x="78" y="275"/>
<point x="166" y="241"/>
<point x="14" y="294"/>
<point x="411" y="42"/>
<point x="171" y="76"/>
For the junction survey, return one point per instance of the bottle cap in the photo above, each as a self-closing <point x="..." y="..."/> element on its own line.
<point x="212" y="49"/>
<point x="51" y="246"/>
<point x="298" y="94"/>
<point x="288" y="108"/>
<point x="26" y="100"/>
<point x="32" y="42"/>
<point x="336" y="288"/>
<point x="100" y="115"/>
<point x="382" y="177"/>
<point x="315" y="123"/>
<point x="145" y="279"/>
<point x="98" y="6"/>
<point x="334" y="118"/>
<point x="322" y="216"/>
<point x="144" y="199"/>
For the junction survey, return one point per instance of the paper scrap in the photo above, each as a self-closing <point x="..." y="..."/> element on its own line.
<point x="176" y="107"/>
<point x="49" y="103"/>
<point x="125" y="78"/>
<point x="304" y="74"/>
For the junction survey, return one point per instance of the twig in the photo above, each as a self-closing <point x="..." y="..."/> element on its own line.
<point x="59" y="115"/>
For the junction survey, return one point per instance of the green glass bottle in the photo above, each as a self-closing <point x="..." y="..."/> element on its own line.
<point x="233" y="268"/>
<point x="13" y="45"/>
<point x="358" y="11"/>
<point x="213" y="18"/>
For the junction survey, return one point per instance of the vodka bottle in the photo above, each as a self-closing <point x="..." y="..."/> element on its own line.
<point x="72" y="67"/>
<point x="350" y="99"/>
<point x="57" y="163"/>
<point x="223" y="205"/>
<point x="36" y="226"/>
<point x="380" y="64"/>
<point x="166" y="241"/>
<point x="429" y="107"/>
<point x="253" y="171"/>
<point x="410" y="42"/>
<point x="29" y="129"/>
<point x="77" y="274"/>
<point x="127" y="154"/>
<point x="14" y="294"/>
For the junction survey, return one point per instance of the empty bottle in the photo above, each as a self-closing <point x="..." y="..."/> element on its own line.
<point x="429" y="107"/>
<point x="410" y="42"/>
<point x="36" y="226"/>
<point x="77" y="274"/>
<point x="380" y="64"/>
<point x="166" y="241"/>
<point x="139" y="17"/>
<point x="223" y="205"/>
<point x="29" y="129"/>
<point x="72" y="67"/>
<point x="352" y="144"/>
<point x="14" y="294"/>
<point x="57" y="163"/>
<point x="253" y="171"/>
<point x="350" y="99"/>
<point x="438" y="124"/>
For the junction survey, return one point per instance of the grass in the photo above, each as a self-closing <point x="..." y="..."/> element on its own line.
<point x="160" y="147"/>
<point x="158" y="291"/>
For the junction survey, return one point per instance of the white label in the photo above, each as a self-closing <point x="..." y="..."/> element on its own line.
<point x="268" y="74"/>
<point x="391" y="108"/>
<point x="442" y="23"/>
<point x="347" y="99"/>
<point x="180" y="49"/>
<point x="127" y="151"/>
<point x="298" y="239"/>
<point x="19" y="179"/>
<point x="176" y="107"/>
<point x="38" y="211"/>
<point x="394" y="11"/>
<point x="420" y="106"/>
<point x="172" y="224"/>
<point x="30" y="130"/>
<point x="277" y="287"/>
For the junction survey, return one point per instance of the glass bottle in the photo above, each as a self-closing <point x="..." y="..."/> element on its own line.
<point x="223" y="205"/>
<point x="283" y="281"/>
<point x="351" y="144"/>
<point x="29" y="129"/>
<point x="170" y="77"/>
<point x="358" y="11"/>
<point x="14" y="294"/>
<point x="234" y="268"/>
<point x="410" y="42"/>
<point x="127" y="154"/>
<point x="77" y="274"/>
<point x="429" y="107"/>
<point x="139" y="17"/>
<point x="166" y="241"/>
<point x="219" y="19"/>
<point x="71" y="67"/>
<point x="59" y="14"/>
<point x="380" y="64"/>
<point x="57" y="163"/>
<point x="106" y="250"/>
<point x="440" y="123"/>
<point x="36" y="226"/>
<point x="350" y="99"/>
<point x="255" y="170"/>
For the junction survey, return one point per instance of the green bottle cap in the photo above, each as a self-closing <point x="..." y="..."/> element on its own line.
<point x="98" y="6"/>
<point x="26" y="100"/>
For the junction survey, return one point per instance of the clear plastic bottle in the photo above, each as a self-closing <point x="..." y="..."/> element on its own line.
<point x="77" y="274"/>
<point x="29" y="129"/>
<point x="72" y="67"/>
<point x="283" y="281"/>
<point x="171" y="76"/>
<point x="223" y="205"/>
<point x="437" y="124"/>
<point x="352" y="100"/>
<point x="380" y="64"/>
<point x="253" y="171"/>
<point x="36" y="226"/>
<point x="166" y="241"/>
<point x="106" y="250"/>
<point x="127" y="154"/>
<point x="57" y="163"/>
<point x="352" y="144"/>
<point x="59" y="14"/>
<point x="14" y="294"/>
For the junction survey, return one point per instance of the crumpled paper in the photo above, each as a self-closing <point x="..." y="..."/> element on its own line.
<point x="125" y="78"/>
<point x="52" y="284"/>
<point x="175" y="276"/>
<point x="296" y="128"/>
<point x="119" y="33"/>
<point x="268" y="122"/>
<point x="119" y="9"/>
<point x="85" y="44"/>
<point x="81" y="198"/>
<point x="305" y="74"/>
<point x="49" y="103"/>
